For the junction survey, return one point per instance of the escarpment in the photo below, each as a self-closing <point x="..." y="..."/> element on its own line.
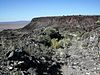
<point x="69" y="22"/>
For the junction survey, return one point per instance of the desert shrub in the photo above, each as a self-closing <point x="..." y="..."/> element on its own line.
<point x="49" y="30"/>
<point x="48" y="36"/>
<point x="64" y="42"/>
<point x="55" y="43"/>
<point x="45" y="39"/>
<point x="98" y="22"/>
<point x="52" y="32"/>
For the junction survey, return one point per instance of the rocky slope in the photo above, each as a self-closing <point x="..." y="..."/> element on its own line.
<point x="63" y="45"/>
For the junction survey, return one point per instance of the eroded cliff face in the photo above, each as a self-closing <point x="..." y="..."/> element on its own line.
<point x="68" y="22"/>
<point x="63" y="45"/>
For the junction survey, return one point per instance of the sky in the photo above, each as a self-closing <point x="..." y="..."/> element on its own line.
<point x="16" y="10"/>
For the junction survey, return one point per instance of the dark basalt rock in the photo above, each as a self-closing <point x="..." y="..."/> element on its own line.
<point x="16" y="55"/>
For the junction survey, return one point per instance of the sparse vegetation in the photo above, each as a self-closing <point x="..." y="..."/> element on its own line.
<point x="55" y="43"/>
<point x="98" y="22"/>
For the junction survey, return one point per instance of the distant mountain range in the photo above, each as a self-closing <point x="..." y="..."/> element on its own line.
<point x="13" y="25"/>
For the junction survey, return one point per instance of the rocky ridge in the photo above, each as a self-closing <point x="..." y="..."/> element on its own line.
<point x="63" y="45"/>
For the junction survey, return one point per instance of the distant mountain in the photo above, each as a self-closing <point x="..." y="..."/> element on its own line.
<point x="13" y="25"/>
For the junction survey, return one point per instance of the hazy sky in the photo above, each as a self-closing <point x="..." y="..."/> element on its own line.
<point x="15" y="10"/>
